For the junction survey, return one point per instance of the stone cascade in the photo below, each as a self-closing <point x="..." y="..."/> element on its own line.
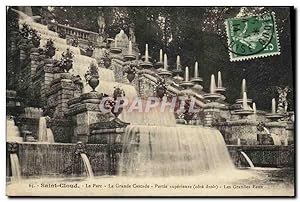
<point x="61" y="90"/>
<point x="13" y="131"/>
<point x="212" y="108"/>
<point x="85" y="111"/>
<point x="81" y="62"/>
<point x="214" y="111"/>
<point x="276" y="126"/>
<point x="135" y="143"/>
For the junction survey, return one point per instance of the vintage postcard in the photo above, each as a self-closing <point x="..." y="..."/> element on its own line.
<point x="150" y="101"/>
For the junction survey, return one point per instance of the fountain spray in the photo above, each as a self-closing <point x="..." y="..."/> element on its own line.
<point x="212" y="84"/>
<point x="187" y="74"/>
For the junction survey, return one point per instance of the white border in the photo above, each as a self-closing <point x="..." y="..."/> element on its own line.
<point x="120" y="3"/>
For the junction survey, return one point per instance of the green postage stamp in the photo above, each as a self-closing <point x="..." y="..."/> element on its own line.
<point x="252" y="37"/>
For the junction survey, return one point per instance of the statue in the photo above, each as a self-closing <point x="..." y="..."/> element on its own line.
<point x="129" y="69"/>
<point x="122" y="40"/>
<point x="131" y="33"/>
<point x="105" y="60"/>
<point x="101" y="24"/>
<point x="117" y="98"/>
<point x="282" y="99"/>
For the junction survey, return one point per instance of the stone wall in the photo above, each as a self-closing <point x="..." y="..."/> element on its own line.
<point x="263" y="156"/>
<point x="60" y="91"/>
<point x="146" y="87"/>
<point x="116" y="66"/>
<point x="246" y="131"/>
<point x="28" y="124"/>
<point x="62" y="130"/>
<point x="53" y="159"/>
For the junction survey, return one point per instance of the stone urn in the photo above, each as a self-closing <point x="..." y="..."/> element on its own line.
<point x="160" y="91"/>
<point x="188" y="116"/>
<point x="89" y="52"/>
<point x="68" y="65"/>
<point x="50" y="52"/>
<point x="118" y="94"/>
<point x="117" y="112"/>
<point x="94" y="82"/>
<point x="130" y="76"/>
<point x="107" y="62"/>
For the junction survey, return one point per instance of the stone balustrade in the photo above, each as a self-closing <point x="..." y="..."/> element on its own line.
<point x="75" y="32"/>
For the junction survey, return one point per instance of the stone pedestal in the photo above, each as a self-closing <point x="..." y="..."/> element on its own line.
<point x="290" y="132"/>
<point x="23" y="49"/>
<point x="27" y="136"/>
<point x="34" y="56"/>
<point x="108" y="132"/>
<point x="145" y="86"/>
<point x="243" y="131"/>
<point x="60" y="91"/>
<point x="28" y="124"/>
<point x="14" y="106"/>
<point x="278" y="128"/>
<point x="29" y="62"/>
<point x="116" y="57"/>
<point x="211" y="113"/>
<point x="13" y="41"/>
<point x="85" y="110"/>
<point x="46" y="76"/>
<point x="27" y="75"/>
<point x="42" y="79"/>
<point x="78" y="83"/>
<point x="118" y="69"/>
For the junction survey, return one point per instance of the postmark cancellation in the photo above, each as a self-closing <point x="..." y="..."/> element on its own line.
<point x="252" y="37"/>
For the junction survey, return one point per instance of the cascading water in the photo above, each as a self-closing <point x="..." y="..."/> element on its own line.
<point x="212" y="84"/>
<point x="87" y="165"/>
<point x="44" y="134"/>
<point x="50" y="136"/>
<point x="12" y="131"/>
<point x="153" y="117"/>
<point x="154" y="145"/>
<point x="42" y="130"/>
<point x="276" y="139"/>
<point x="15" y="167"/>
<point x="248" y="159"/>
<point x="243" y="89"/>
<point x="176" y="150"/>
